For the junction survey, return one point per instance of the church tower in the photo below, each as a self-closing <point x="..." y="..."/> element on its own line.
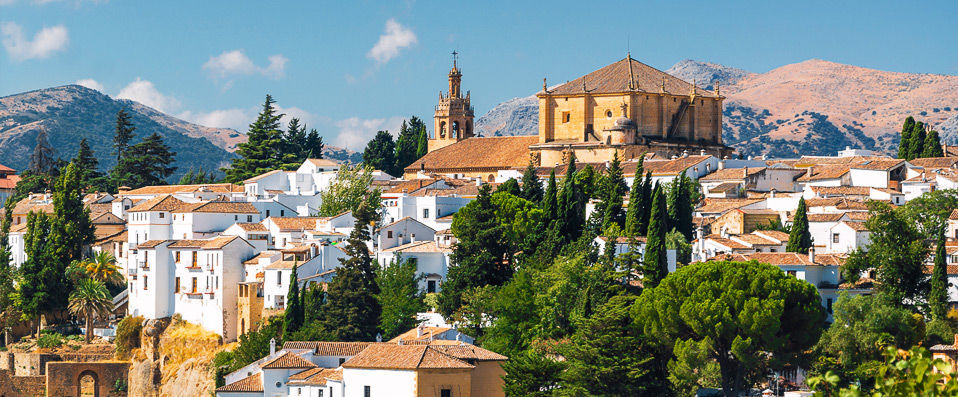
<point x="454" y="114"/>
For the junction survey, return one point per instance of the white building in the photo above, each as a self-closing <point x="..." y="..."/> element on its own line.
<point x="309" y="260"/>
<point x="432" y="261"/>
<point x="845" y="237"/>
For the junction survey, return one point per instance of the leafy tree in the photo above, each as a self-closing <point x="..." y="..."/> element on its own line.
<point x="123" y="133"/>
<point x="254" y="345"/>
<point x="608" y="356"/>
<point x="938" y="297"/>
<point x="932" y="145"/>
<point x="262" y="151"/>
<point x="400" y="297"/>
<point x="71" y="228"/>
<point x="479" y="258"/>
<point x="531" y="187"/>
<point x="904" y="144"/>
<point x="800" y="239"/>
<point x="199" y="177"/>
<point x="930" y="211"/>
<point x="145" y="163"/>
<point x="516" y="315"/>
<point x="8" y="310"/>
<point x="294" y="309"/>
<point x="380" y="153"/>
<point x="41" y="283"/>
<point x="520" y="219"/>
<point x="352" y="311"/>
<point x="744" y="325"/>
<point x="912" y="373"/>
<point x="655" y="263"/>
<point x="637" y="205"/>
<point x="90" y="299"/>
<point x="916" y="143"/>
<point x="349" y="191"/>
<point x="550" y="204"/>
<point x="531" y="374"/>
<point x="510" y="186"/>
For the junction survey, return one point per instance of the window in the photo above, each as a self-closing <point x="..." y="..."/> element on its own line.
<point x="366" y="391"/>
<point x="177" y="287"/>
<point x="176" y="256"/>
<point x="445" y="393"/>
<point x="566" y="117"/>
<point x="835" y="238"/>
<point x="145" y="277"/>
<point x="162" y="215"/>
<point x="431" y="286"/>
<point x="194" y="254"/>
<point x="194" y="285"/>
<point x="235" y="217"/>
<point x="267" y="213"/>
<point x="249" y="218"/>
<point x="279" y="384"/>
<point x="608" y="113"/>
<point x="320" y="393"/>
<point x="282" y="212"/>
<point x="341" y="361"/>
<point x="389" y="234"/>
<point x="792" y="273"/>
<point x="425" y="213"/>
<point x="828" y="305"/>
<point x="279" y="278"/>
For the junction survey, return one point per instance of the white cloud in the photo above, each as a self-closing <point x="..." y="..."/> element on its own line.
<point x="144" y="92"/>
<point x="240" y="119"/>
<point x="7" y="2"/>
<point x="237" y="63"/>
<point x="45" y="42"/>
<point x="91" y="84"/>
<point x="355" y="132"/>
<point x="395" y="38"/>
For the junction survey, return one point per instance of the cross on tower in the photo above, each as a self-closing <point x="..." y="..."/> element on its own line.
<point x="455" y="56"/>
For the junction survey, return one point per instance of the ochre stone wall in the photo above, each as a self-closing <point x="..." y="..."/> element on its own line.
<point x="63" y="378"/>
<point x="487" y="379"/>
<point x="429" y="382"/>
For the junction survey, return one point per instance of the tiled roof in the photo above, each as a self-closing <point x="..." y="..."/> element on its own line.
<point x="469" y="352"/>
<point x="725" y="187"/>
<point x="328" y="348"/>
<point x="411" y="185"/>
<point x="773" y="234"/>
<point x="616" y="78"/>
<point x="786" y="258"/>
<point x="417" y="246"/>
<point x="856" y="226"/>
<point x="752" y="239"/>
<point x="151" y="243"/>
<point x="427" y="333"/>
<point x="263" y="175"/>
<point x="162" y="202"/>
<point x="954" y="216"/>
<point x="294" y="223"/>
<point x="726" y="242"/>
<point x="107" y="218"/>
<point x="478" y="153"/>
<point x="878" y="164"/>
<point x="663" y="167"/>
<point x="288" y="361"/>
<point x="263" y="254"/>
<point x="841" y="190"/>
<point x="249" y="384"/>
<point x="213" y="243"/>
<point x="114" y="237"/>
<point x="9" y="182"/>
<point x="4" y="168"/>
<point x="323" y="162"/>
<point x="935" y="162"/>
<point x="219" y="207"/>
<point x="713" y="205"/>
<point x="823" y="172"/>
<point x="736" y="174"/>
<point x="252" y="227"/>
<point x="859" y="216"/>
<point x="828" y="217"/>
<point x="171" y="189"/>
<point x="390" y="356"/>
<point x="315" y="376"/>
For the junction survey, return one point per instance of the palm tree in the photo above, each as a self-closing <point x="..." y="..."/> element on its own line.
<point x="102" y="267"/>
<point x="90" y="298"/>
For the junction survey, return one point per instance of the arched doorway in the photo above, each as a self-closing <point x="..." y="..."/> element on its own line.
<point x="88" y="384"/>
<point x="455" y="129"/>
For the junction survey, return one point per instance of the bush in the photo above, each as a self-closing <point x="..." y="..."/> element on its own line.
<point x="432" y="300"/>
<point x="49" y="340"/>
<point x="222" y="364"/>
<point x="128" y="335"/>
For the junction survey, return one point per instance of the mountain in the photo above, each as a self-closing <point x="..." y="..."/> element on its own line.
<point x="813" y="107"/>
<point x="517" y="116"/>
<point x="70" y="113"/>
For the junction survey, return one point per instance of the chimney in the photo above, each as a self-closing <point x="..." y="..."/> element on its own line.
<point x="811" y="254"/>
<point x="419" y="331"/>
<point x="478" y="181"/>
<point x="745" y="172"/>
<point x="702" y="152"/>
<point x="685" y="153"/>
<point x="771" y="193"/>
<point x="721" y="164"/>
<point x="272" y="346"/>
<point x="379" y="337"/>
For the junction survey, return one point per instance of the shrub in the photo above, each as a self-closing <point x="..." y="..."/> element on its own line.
<point x="222" y="364"/>
<point x="119" y="386"/>
<point x="49" y="340"/>
<point x="128" y="335"/>
<point x="432" y="300"/>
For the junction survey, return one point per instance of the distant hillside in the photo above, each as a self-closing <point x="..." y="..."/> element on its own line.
<point x="812" y="107"/>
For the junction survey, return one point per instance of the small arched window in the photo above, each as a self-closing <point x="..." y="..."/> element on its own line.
<point x="608" y="113"/>
<point x="442" y="129"/>
<point x="455" y="129"/>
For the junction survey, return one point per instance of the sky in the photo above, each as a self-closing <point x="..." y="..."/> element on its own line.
<point x="350" y="68"/>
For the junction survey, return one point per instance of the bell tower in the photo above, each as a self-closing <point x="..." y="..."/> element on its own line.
<point x="454" y="114"/>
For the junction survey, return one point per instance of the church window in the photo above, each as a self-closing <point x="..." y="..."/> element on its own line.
<point x="442" y="129"/>
<point x="566" y="117"/>
<point x="608" y="113"/>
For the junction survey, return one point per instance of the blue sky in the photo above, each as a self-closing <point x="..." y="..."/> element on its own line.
<point x="350" y="68"/>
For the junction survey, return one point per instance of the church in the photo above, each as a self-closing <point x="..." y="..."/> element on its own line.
<point x="626" y="108"/>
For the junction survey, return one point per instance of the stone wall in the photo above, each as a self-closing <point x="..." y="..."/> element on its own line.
<point x="26" y="386"/>
<point x="63" y="378"/>
<point x="34" y="364"/>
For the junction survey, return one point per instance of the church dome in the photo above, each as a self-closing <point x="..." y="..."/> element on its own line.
<point x="624" y="123"/>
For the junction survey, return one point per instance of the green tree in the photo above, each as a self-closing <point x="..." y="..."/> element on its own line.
<point x="608" y="356"/>
<point x="912" y="373"/>
<point x="87" y="163"/>
<point x="615" y="188"/>
<point x="916" y="143"/>
<point x="71" y="229"/>
<point x="199" y="177"/>
<point x="648" y="188"/>
<point x="123" y="133"/>
<point x="550" y="204"/>
<point x="938" y="297"/>
<point x="680" y="205"/>
<point x="42" y="282"/>
<point x="655" y="264"/>
<point x="102" y="267"/>
<point x="932" y="145"/>
<point x="800" y="239"/>
<point x="531" y="186"/>
<point x="479" y="258"/>
<point x="531" y="374"/>
<point x="571" y="204"/>
<point x="930" y="211"/>
<point x="380" y="153"/>
<point x="904" y="145"/>
<point x="352" y="311"/>
<point x="90" y="299"/>
<point x="294" y="146"/>
<point x="400" y="297"/>
<point x="633" y="215"/>
<point x="295" y="315"/>
<point x="422" y="146"/>
<point x="407" y="144"/>
<point x="254" y="345"/>
<point x="510" y="186"/>
<point x="145" y="163"/>
<point x="350" y="189"/>
<point x="314" y="146"/>
<point x="262" y="150"/>
<point x="744" y="325"/>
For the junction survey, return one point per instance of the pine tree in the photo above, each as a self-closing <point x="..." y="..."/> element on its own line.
<point x="294" y="318"/>
<point x="71" y="228"/>
<point x="938" y="297"/>
<point x="262" y="150"/>
<point x="510" y="186"/>
<point x="612" y="198"/>
<point x="294" y="145"/>
<point x="352" y="311"/>
<point x="314" y="145"/>
<point x="916" y="143"/>
<point x="123" y="133"/>
<point x="647" y="192"/>
<point x="633" y="216"/>
<point x="380" y="153"/>
<point x="905" y="144"/>
<point x="531" y="186"/>
<point x="680" y="205"/>
<point x="799" y="240"/>
<point x="655" y="263"/>
<point x="87" y="163"/>
<point x="550" y="205"/>
<point x="41" y="161"/>
<point x="571" y="206"/>
<point x="422" y="146"/>
<point x="932" y="145"/>
<point x="146" y="163"/>
<point x="407" y="144"/>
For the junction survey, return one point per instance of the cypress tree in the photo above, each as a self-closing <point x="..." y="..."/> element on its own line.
<point x="647" y="192"/>
<point x="680" y="206"/>
<point x="905" y="144"/>
<point x="799" y="240"/>
<point x="571" y="211"/>
<point x="531" y="187"/>
<point x="71" y="228"/>
<point x="633" y="216"/>
<point x="262" y="150"/>
<point x="407" y="144"/>
<point x="612" y="198"/>
<point x="938" y="297"/>
<point x="932" y="145"/>
<point x="41" y="161"/>
<point x="123" y="133"/>
<point x="656" y="261"/>
<point x="294" y="318"/>
<point x="916" y="144"/>
<point x="423" y="143"/>
<point x="550" y="205"/>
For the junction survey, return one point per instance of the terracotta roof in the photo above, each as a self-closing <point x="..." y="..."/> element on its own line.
<point x="171" y="189"/>
<point x="411" y="185"/>
<point x="263" y="254"/>
<point x="726" y="242"/>
<point x="478" y="153"/>
<point x="773" y="234"/>
<point x="9" y="182"/>
<point x="162" y="202"/>
<point x="860" y="216"/>
<point x="737" y="174"/>
<point x="840" y="190"/>
<point x="616" y="78"/>
<point x="321" y="348"/>
<point x="822" y="172"/>
<point x="427" y="334"/>
<point x="856" y="226"/>
<point x="752" y="239"/>
<point x="785" y="258"/>
<point x="299" y="376"/>
<point x="713" y="205"/>
<point x="663" y="167"/>
<point x="288" y="361"/>
<point x="390" y="356"/>
<point x="150" y="243"/>
<point x="315" y="376"/>
<point x="954" y="216"/>
<point x="935" y="162"/>
<point x="107" y="218"/>
<point x="4" y="168"/>
<point x="417" y="246"/>
<point x="252" y="383"/>
<point x="251" y="227"/>
<point x="469" y="352"/>
<point x="829" y="217"/>
<point x="284" y="264"/>
<point x="213" y="243"/>
<point x="103" y="238"/>
<point x="878" y="164"/>
<point x="725" y="187"/>
<point x="219" y="207"/>
<point x="323" y="162"/>
<point x="294" y="223"/>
